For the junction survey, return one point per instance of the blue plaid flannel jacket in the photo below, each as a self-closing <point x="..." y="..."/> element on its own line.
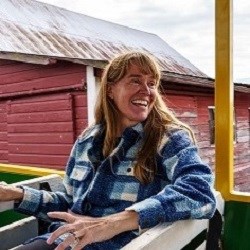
<point x="97" y="187"/>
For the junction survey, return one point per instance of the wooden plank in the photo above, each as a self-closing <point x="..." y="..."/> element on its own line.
<point x="174" y="236"/>
<point x="41" y="160"/>
<point x="63" y="138"/>
<point x="81" y="113"/>
<point x="2" y="106"/>
<point x="3" y="117"/>
<point x="180" y="102"/>
<point x="43" y="98"/>
<point x="40" y="127"/>
<point x="42" y="72"/>
<point x="39" y="84"/>
<point x="3" y="136"/>
<point x="81" y="124"/>
<point x="3" y="145"/>
<point x="80" y="100"/>
<point x="243" y="124"/>
<point x="203" y="119"/>
<point x="242" y="112"/>
<point x="3" y="155"/>
<point x="44" y="116"/>
<point x="3" y="126"/>
<point x="189" y="120"/>
<point x="52" y="105"/>
<point x="6" y="62"/>
<point x="203" y="144"/>
<point x="204" y="127"/>
<point x="18" y="67"/>
<point x="186" y="112"/>
<point x="45" y="149"/>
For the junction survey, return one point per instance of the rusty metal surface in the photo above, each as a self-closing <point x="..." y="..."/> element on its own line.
<point x="37" y="29"/>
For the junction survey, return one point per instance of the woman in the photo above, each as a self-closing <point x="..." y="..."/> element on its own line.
<point x="135" y="167"/>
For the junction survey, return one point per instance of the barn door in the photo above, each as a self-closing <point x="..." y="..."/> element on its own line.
<point x="40" y="130"/>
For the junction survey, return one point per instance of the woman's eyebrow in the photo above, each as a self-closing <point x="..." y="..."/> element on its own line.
<point x="140" y="75"/>
<point x="135" y="75"/>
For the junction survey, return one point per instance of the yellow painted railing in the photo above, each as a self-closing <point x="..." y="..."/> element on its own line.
<point x="28" y="170"/>
<point x="224" y="93"/>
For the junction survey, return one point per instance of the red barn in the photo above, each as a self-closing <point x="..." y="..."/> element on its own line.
<point x="50" y="65"/>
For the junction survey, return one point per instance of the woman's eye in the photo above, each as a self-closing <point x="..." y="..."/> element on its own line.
<point x="152" y="85"/>
<point x="135" y="81"/>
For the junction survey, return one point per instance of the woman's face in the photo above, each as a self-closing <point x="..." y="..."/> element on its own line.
<point x="134" y="96"/>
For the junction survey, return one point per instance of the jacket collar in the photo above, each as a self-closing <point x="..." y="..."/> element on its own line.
<point x="136" y="130"/>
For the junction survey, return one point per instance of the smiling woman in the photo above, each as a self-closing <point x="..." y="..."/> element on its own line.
<point x="134" y="96"/>
<point x="136" y="167"/>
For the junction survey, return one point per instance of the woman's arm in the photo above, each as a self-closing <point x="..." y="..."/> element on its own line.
<point x="40" y="202"/>
<point x="10" y="193"/>
<point x="88" y="230"/>
<point x="189" y="194"/>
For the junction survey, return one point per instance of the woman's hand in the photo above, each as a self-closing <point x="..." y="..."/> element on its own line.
<point x="10" y="193"/>
<point x="80" y="231"/>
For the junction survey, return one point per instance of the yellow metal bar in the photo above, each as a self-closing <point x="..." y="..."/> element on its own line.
<point x="224" y="98"/>
<point x="239" y="196"/>
<point x="27" y="170"/>
<point x="224" y="103"/>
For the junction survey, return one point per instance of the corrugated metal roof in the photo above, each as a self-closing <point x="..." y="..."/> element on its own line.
<point x="37" y="29"/>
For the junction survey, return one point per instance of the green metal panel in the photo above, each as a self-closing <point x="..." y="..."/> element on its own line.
<point x="237" y="226"/>
<point x="8" y="217"/>
<point x="14" y="177"/>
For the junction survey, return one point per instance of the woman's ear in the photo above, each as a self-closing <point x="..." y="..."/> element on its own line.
<point x="110" y="92"/>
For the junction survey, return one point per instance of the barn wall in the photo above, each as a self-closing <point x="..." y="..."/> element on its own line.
<point x="193" y="109"/>
<point x="39" y="128"/>
<point x="18" y="78"/>
<point x="242" y="145"/>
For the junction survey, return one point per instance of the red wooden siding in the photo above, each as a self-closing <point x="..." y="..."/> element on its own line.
<point x="3" y="133"/>
<point x="19" y="78"/>
<point x="193" y="109"/>
<point x="242" y="146"/>
<point x="38" y="124"/>
<point x="47" y="122"/>
<point x="81" y="117"/>
<point x="207" y="150"/>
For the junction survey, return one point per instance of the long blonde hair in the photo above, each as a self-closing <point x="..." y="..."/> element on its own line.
<point x="158" y="121"/>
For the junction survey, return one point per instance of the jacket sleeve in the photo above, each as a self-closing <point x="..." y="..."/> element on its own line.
<point x="189" y="194"/>
<point x="39" y="202"/>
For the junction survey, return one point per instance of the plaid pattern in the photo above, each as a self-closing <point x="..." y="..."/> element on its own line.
<point x="97" y="187"/>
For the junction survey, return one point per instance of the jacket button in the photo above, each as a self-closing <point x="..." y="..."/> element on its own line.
<point x="129" y="170"/>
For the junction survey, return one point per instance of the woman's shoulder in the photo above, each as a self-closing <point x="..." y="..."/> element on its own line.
<point x="176" y="138"/>
<point x="90" y="132"/>
<point x="178" y="133"/>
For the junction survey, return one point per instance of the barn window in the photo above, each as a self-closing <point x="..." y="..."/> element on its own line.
<point x="211" y="110"/>
<point x="211" y="124"/>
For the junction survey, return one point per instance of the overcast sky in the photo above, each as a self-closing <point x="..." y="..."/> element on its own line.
<point x="187" y="26"/>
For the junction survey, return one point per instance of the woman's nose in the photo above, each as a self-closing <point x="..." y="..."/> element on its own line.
<point x="145" y="88"/>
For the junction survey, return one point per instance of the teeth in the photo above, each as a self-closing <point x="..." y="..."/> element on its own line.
<point x="140" y="102"/>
